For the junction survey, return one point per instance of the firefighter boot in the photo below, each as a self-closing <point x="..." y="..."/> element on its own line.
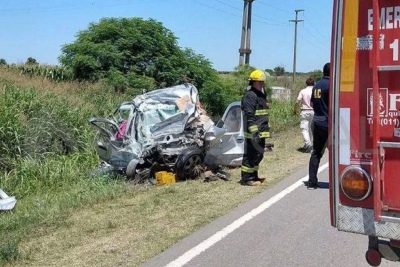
<point x="262" y="180"/>
<point x="250" y="182"/>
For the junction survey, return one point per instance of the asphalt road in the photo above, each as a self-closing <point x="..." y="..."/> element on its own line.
<point x="287" y="225"/>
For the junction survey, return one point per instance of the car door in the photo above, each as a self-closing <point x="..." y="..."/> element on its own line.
<point x="112" y="132"/>
<point x="227" y="148"/>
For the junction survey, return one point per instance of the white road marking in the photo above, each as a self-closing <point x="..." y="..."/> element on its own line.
<point x="218" y="236"/>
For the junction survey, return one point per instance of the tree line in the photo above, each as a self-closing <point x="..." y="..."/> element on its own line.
<point x="133" y="54"/>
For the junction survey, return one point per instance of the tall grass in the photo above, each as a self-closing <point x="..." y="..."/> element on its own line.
<point x="281" y="115"/>
<point x="46" y="153"/>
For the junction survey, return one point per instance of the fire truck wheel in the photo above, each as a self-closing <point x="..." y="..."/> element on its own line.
<point x="373" y="257"/>
<point x="187" y="163"/>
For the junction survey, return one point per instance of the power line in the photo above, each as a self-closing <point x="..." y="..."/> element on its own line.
<point x="69" y="7"/>
<point x="212" y="7"/>
<point x="282" y="10"/>
<point x="234" y="7"/>
<point x="263" y="20"/>
<point x="315" y="29"/>
<point x="270" y="24"/>
<point x="279" y="23"/>
<point x="314" y="37"/>
<point x="313" y="44"/>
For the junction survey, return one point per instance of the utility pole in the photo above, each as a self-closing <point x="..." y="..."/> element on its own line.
<point x="295" y="44"/>
<point x="244" y="50"/>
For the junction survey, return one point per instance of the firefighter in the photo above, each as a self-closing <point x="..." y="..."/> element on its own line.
<point x="256" y="129"/>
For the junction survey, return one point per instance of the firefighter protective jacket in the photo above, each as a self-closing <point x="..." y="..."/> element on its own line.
<point x="255" y="114"/>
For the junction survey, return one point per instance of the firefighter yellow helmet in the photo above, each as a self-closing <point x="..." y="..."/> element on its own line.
<point x="258" y="75"/>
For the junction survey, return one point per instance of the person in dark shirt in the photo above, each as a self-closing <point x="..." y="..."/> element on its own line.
<point x="320" y="103"/>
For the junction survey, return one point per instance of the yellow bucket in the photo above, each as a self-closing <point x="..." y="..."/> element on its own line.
<point x="164" y="178"/>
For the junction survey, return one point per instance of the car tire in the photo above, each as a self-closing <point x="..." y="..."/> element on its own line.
<point x="187" y="161"/>
<point x="131" y="169"/>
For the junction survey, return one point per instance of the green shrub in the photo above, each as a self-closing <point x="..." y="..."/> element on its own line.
<point x="281" y="115"/>
<point x="215" y="97"/>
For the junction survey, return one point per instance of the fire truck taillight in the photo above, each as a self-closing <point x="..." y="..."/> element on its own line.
<point x="356" y="183"/>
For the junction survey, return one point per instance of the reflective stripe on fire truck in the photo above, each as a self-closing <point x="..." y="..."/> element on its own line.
<point x="350" y="30"/>
<point x="344" y="136"/>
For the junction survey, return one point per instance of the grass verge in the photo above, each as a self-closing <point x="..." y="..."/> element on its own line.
<point x="135" y="224"/>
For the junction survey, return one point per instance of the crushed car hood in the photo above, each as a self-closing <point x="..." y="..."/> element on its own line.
<point x="167" y="120"/>
<point x="169" y="111"/>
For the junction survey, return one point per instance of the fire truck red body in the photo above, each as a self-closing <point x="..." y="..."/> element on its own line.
<point x="364" y="143"/>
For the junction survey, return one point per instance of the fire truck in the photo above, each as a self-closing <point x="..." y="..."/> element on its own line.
<point x="364" y="142"/>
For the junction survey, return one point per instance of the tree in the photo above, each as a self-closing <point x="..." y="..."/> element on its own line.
<point x="31" y="61"/>
<point x="279" y="71"/>
<point x="132" y="46"/>
<point x="197" y="68"/>
<point x="316" y="75"/>
<point x="271" y="72"/>
<point x="3" y="61"/>
<point x="241" y="73"/>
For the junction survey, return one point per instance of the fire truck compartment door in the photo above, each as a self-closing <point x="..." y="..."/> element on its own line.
<point x="390" y="158"/>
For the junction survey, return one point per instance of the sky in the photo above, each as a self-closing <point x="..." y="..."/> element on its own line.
<point x="213" y="28"/>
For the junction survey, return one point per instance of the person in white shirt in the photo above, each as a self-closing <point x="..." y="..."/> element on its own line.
<point x="306" y="115"/>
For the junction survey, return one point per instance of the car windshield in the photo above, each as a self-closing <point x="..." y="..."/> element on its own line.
<point x="165" y="111"/>
<point x="159" y="118"/>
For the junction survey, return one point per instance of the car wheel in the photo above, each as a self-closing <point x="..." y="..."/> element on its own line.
<point x="131" y="168"/>
<point x="188" y="163"/>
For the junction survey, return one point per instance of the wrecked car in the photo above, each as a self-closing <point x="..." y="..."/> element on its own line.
<point x="162" y="130"/>
<point x="168" y="130"/>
